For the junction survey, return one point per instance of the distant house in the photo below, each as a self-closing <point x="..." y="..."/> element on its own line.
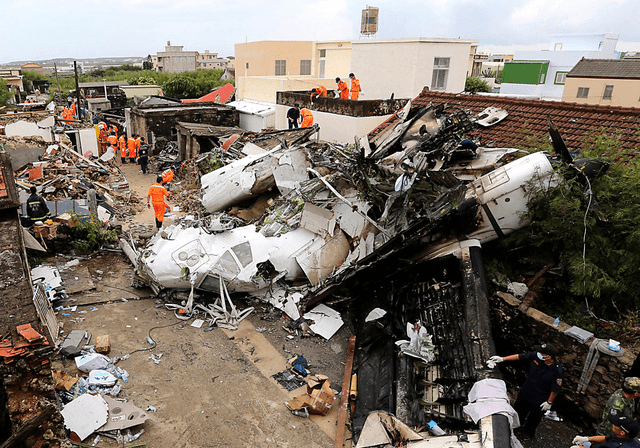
<point x="209" y="61"/>
<point x="13" y="78"/>
<point x="541" y="74"/>
<point x="32" y="66"/>
<point x="611" y="82"/>
<point x="175" y="60"/>
<point x="229" y="74"/>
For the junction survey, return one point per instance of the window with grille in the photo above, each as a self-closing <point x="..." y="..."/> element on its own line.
<point x="561" y="78"/>
<point x="583" y="92"/>
<point x="281" y="67"/>
<point x="608" y="92"/>
<point x="440" y="73"/>
<point x="305" y="67"/>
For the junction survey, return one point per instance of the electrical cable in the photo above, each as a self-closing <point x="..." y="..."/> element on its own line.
<point x="155" y="344"/>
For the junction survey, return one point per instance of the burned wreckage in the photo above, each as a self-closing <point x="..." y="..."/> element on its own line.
<point x="392" y="228"/>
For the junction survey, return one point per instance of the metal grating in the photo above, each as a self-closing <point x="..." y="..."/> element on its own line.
<point x="45" y="312"/>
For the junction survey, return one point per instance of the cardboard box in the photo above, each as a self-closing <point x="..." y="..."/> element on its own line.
<point x="66" y="220"/>
<point x="46" y="231"/>
<point x="318" y="399"/>
<point x="103" y="344"/>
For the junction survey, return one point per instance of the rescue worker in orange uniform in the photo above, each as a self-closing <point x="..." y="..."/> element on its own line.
<point x="112" y="140"/>
<point x="167" y="175"/>
<point x="342" y="89"/>
<point x="318" y="91"/>
<point x="114" y="129"/>
<point x="307" y="118"/>
<point x="156" y="196"/>
<point x="355" y="86"/>
<point x="138" y="142"/>
<point x="123" y="149"/>
<point x="132" y="148"/>
<point x="102" y="140"/>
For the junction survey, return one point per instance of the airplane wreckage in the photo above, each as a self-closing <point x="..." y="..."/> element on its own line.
<point x="392" y="227"/>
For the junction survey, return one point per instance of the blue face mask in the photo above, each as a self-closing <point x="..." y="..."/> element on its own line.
<point x="540" y="357"/>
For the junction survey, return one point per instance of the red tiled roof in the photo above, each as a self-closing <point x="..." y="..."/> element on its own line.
<point x="527" y="121"/>
<point x="223" y="92"/>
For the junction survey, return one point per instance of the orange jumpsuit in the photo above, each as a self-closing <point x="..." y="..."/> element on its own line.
<point x="137" y="144"/>
<point x="123" y="147"/>
<point x="157" y="193"/>
<point x="344" y="90"/>
<point x="307" y="118"/>
<point x="102" y="141"/>
<point x="320" y="91"/>
<point x="132" y="148"/>
<point x="112" y="140"/>
<point x="167" y="176"/>
<point x="355" y="88"/>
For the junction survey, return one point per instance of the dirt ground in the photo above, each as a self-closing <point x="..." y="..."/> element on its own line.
<point x="210" y="388"/>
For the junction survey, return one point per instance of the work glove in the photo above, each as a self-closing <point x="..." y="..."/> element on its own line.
<point x="493" y="361"/>
<point x="544" y="407"/>
<point x="579" y="440"/>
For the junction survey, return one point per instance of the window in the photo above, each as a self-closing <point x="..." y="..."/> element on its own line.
<point x="281" y="67"/>
<point x="557" y="47"/>
<point x="323" y="53"/>
<point x="583" y="92"/>
<point x="305" y="67"/>
<point x="246" y="65"/>
<point x="561" y="78"/>
<point x="542" y="77"/>
<point x="608" y="91"/>
<point x="440" y="73"/>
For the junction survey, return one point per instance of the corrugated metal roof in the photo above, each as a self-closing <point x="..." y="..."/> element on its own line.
<point x="606" y="68"/>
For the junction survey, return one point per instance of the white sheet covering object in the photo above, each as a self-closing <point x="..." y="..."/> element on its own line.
<point x="487" y="397"/>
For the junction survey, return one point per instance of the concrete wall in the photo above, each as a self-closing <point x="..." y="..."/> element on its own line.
<point x="516" y="331"/>
<point x="626" y="92"/>
<point x="334" y="127"/>
<point x="337" y="62"/>
<point x="264" y="88"/>
<point x="412" y="67"/>
<point x="261" y="57"/>
<point x="132" y="91"/>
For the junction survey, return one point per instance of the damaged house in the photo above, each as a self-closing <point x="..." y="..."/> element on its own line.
<point x="393" y="227"/>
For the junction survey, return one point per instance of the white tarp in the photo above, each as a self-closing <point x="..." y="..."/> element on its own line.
<point x="85" y="414"/>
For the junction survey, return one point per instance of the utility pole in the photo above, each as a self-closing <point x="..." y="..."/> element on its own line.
<point x="75" y="70"/>
<point x="55" y="69"/>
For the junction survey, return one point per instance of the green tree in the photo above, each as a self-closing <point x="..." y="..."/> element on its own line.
<point x="5" y="94"/>
<point x="595" y="237"/>
<point x="473" y="85"/>
<point x="147" y="64"/>
<point x="181" y="86"/>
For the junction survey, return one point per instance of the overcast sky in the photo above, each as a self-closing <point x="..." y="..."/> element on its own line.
<point x="44" y="29"/>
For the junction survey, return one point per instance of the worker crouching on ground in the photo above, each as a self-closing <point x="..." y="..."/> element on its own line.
<point x="623" y="432"/>
<point x="156" y="196"/>
<point x="167" y="176"/>
<point x="541" y="388"/>
<point x="37" y="209"/>
<point x="293" y="116"/>
<point x="307" y="118"/>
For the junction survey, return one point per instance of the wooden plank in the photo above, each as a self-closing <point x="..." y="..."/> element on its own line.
<point x="344" y="395"/>
<point x="28" y="428"/>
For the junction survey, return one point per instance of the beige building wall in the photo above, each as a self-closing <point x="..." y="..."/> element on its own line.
<point x="142" y="90"/>
<point x="412" y="67"/>
<point x="264" y="88"/>
<point x="259" y="58"/>
<point x="626" y="92"/>
<point x="336" y="62"/>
